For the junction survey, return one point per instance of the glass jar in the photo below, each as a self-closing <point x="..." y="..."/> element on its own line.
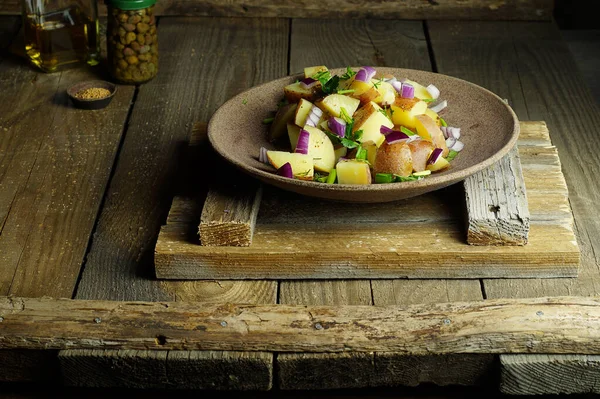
<point x="132" y="41"/>
<point x="60" y="33"/>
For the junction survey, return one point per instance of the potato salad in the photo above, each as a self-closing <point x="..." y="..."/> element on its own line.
<point x="360" y="128"/>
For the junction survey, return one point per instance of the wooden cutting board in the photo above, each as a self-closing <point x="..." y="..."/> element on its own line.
<point x="296" y="237"/>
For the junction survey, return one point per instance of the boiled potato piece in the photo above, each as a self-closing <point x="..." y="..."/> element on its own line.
<point x="353" y="172"/>
<point x="302" y="112"/>
<point x="293" y="133"/>
<point x="294" y="92"/>
<point x="284" y="115"/>
<point x="404" y="111"/>
<point x="365" y="92"/>
<point x="302" y="164"/>
<point x="428" y="130"/>
<point x="309" y="72"/>
<point x="420" y="91"/>
<point x="393" y="158"/>
<point x="340" y="151"/>
<point x="433" y="115"/>
<point x="440" y="164"/>
<point x="333" y="104"/>
<point x="321" y="149"/>
<point x="387" y="93"/>
<point x="369" y="118"/>
<point x="420" y="151"/>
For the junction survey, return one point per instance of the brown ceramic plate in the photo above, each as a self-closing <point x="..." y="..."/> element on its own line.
<point x="489" y="129"/>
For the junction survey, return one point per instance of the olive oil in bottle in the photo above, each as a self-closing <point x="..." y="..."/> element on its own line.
<point x="61" y="38"/>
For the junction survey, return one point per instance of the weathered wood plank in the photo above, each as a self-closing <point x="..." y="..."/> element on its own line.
<point x="496" y="200"/>
<point x="387" y="9"/>
<point x="20" y="365"/>
<point x="451" y="369"/>
<point x="119" y="265"/>
<point x="526" y="58"/>
<point x="325" y="370"/>
<point x="55" y="162"/>
<point x="561" y="325"/>
<point x="229" y="215"/>
<point x="550" y="374"/>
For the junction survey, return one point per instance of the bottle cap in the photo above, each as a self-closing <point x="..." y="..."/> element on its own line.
<point x="129" y="5"/>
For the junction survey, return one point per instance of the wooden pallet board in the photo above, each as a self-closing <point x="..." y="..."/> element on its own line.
<point x="425" y="238"/>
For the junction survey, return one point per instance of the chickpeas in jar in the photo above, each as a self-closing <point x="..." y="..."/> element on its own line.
<point x="132" y="41"/>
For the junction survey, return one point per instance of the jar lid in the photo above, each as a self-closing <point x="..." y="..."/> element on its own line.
<point x="130" y="4"/>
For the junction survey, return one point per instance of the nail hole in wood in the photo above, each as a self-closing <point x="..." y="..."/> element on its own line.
<point x="161" y="340"/>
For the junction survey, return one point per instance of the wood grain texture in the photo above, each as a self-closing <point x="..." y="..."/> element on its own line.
<point x="496" y="201"/>
<point x="551" y="325"/>
<point x="377" y="248"/>
<point x="119" y="265"/>
<point x="388" y="9"/>
<point x="452" y="369"/>
<point x="550" y="374"/>
<point x="325" y="370"/>
<point x="55" y="162"/>
<point x="229" y="215"/>
<point x="22" y="365"/>
<point x="526" y="51"/>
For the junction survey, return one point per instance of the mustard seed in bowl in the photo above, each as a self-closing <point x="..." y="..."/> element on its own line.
<point x="93" y="93"/>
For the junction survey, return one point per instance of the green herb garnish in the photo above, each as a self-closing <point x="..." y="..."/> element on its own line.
<point x="346" y="91"/>
<point x="361" y="153"/>
<point x="384" y="112"/>
<point x="443" y="122"/>
<point x="350" y="144"/>
<point x="331" y="85"/>
<point x="345" y="116"/>
<point x="407" y="131"/>
<point x="406" y="178"/>
<point x="245" y="101"/>
<point x="428" y="100"/>
<point x="422" y="173"/>
<point x="384" y="178"/>
<point x="348" y="75"/>
<point x="322" y="76"/>
<point x="331" y="177"/>
<point x="451" y="155"/>
<point x="266" y="121"/>
<point x="320" y="178"/>
<point x="376" y="84"/>
<point x="282" y="103"/>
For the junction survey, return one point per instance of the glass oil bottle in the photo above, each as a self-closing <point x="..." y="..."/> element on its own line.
<point x="61" y="33"/>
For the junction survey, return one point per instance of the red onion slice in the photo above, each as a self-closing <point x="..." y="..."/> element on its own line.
<point x="386" y="130"/>
<point x="408" y="91"/>
<point x="398" y="86"/>
<point x="454" y="132"/>
<point x="435" y="155"/>
<point x="308" y="83"/>
<point x="450" y="141"/>
<point x="365" y="74"/>
<point x="434" y="91"/>
<point x="396" y="137"/>
<point x="337" y="126"/>
<point x="310" y="123"/>
<point x="286" y="171"/>
<point x="262" y="156"/>
<point x="438" y="107"/>
<point x="444" y="130"/>
<point x="303" y="139"/>
<point x="458" y="146"/>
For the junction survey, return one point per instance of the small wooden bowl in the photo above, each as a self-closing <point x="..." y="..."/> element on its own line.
<point x="93" y="103"/>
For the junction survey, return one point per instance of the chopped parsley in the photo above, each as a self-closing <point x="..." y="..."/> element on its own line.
<point x="361" y="153"/>
<point x="384" y="112"/>
<point x="428" y="100"/>
<point x="443" y="122"/>
<point x="407" y="131"/>
<point x="348" y="75"/>
<point x="350" y="139"/>
<point x="245" y="101"/>
<point x="451" y="155"/>
<point x="331" y="177"/>
<point x="320" y="178"/>
<point x="377" y="84"/>
<point x="346" y="91"/>
<point x="384" y="178"/>
<point x="407" y="178"/>
<point x="331" y="85"/>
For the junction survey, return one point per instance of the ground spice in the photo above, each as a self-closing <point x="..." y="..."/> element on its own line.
<point x="93" y="93"/>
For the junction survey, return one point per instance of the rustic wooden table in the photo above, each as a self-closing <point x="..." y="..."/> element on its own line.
<point x="83" y="196"/>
